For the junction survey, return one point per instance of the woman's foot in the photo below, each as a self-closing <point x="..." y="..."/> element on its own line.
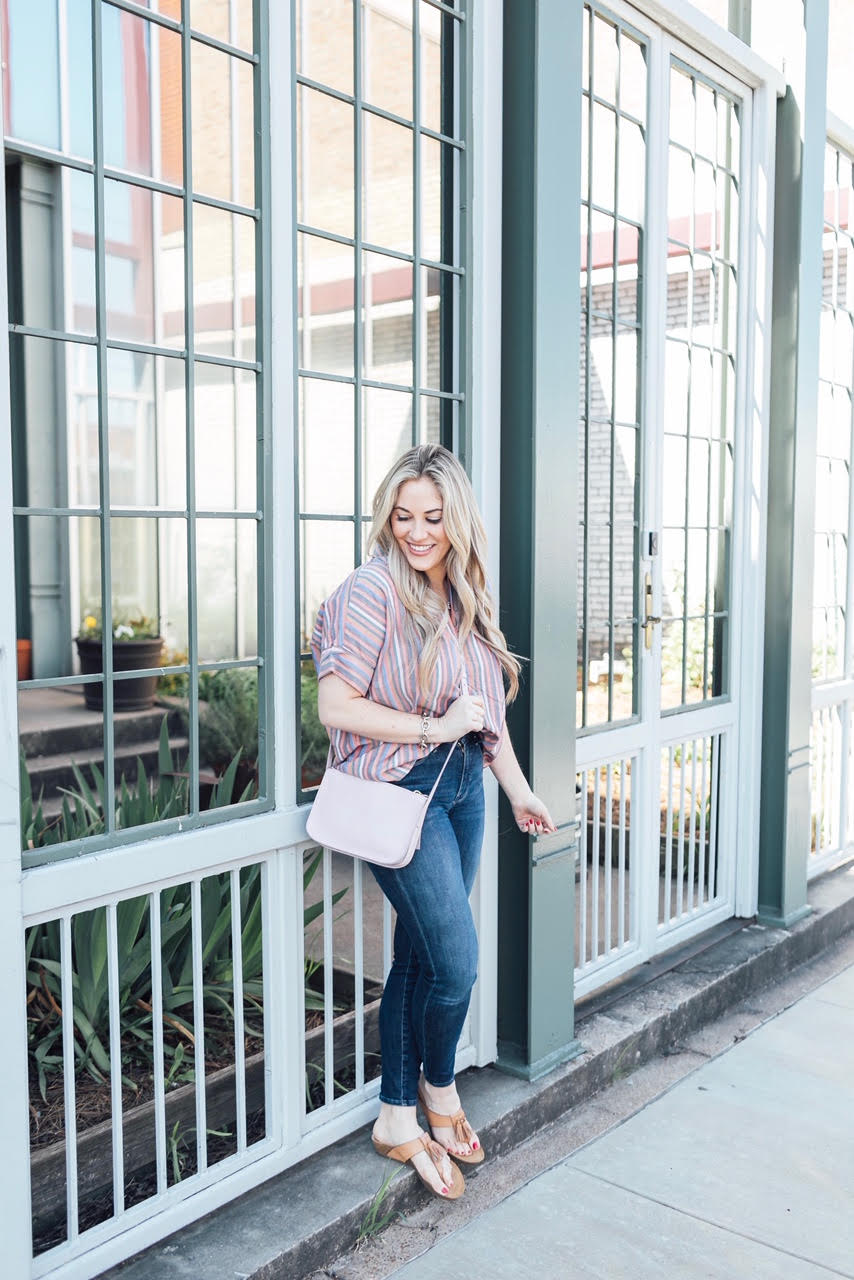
<point x="446" y="1101"/>
<point x="397" y="1125"/>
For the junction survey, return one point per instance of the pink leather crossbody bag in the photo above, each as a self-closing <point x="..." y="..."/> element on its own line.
<point x="376" y="821"/>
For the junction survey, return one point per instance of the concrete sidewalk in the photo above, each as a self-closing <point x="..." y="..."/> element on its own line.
<point x="744" y="1169"/>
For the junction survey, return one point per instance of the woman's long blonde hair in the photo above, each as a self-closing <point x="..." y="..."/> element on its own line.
<point x="464" y="565"/>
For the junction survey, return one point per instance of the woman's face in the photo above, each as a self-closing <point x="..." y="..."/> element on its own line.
<point x="417" y="525"/>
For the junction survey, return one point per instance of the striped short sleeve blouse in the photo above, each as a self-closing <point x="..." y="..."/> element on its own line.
<point x="361" y="636"/>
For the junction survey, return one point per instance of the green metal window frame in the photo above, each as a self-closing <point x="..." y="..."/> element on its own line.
<point x="454" y="425"/>
<point x="259" y="61"/>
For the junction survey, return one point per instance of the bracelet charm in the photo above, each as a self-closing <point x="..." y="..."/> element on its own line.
<point x="426" y="723"/>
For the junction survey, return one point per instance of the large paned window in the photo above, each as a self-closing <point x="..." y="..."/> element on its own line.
<point x="613" y="221"/>
<point x="133" y="203"/>
<point x="380" y="179"/>
<point x="833" y="580"/>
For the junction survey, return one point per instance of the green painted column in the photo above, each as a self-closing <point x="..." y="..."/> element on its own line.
<point x="798" y="221"/>
<point x="539" y="439"/>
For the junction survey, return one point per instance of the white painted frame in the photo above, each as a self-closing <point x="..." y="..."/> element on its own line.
<point x="683" y="31"/>
<point x="839" y="693"/>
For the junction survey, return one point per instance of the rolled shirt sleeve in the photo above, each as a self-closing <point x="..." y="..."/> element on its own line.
<point x="350" y="630"/>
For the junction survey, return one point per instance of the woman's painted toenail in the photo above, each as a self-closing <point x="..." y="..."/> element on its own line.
<point x="475" y="1145"/>
<point x="444" y="1191"/>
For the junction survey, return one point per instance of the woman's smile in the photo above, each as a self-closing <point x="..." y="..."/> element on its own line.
<point x="417" y="523"/>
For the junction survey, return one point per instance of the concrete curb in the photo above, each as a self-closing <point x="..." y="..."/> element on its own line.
<point x="299" y="1221"/>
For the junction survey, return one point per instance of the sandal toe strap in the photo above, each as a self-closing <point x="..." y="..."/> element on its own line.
<point x="463" y="1132"/>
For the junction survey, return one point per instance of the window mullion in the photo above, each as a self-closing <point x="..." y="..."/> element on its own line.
<point x="190" y="409"/>
<point x="103" y="419"/>
<point x="359" y="185"/>
<point x="417" y="302"/>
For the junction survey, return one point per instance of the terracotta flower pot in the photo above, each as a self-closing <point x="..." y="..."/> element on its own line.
<point x="128" y="655"/>
<point x="25" y="659"/>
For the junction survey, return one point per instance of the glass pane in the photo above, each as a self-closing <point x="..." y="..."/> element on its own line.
<point x="604" y="139"/>
<point x="314" y="740"/>
<point x="227" y="590"/>
<point x="211" y="116"/>
<point x="387" y="184"/>
<point x="228" y="736"/>
<point x="132" y="429"/>
<point x="31" y="71"/>
<point x="633" y="77"/>
<point x="440" y="321"/>
<point x="226" y="20"/>
<point x="223" y="125"/>
<point x="325" y="43"/>
<point x="605" y="59"/>
<point x="387" y="318"/>
<point x="682" y="108"/>
<point x="57" y="587"/>
<point x="54" y="437"/>
<point x="438" y="37"/>
<point x="225" y="324"/>
<point x="325" y="172"/>
<point x="149" y="568"/>
<point x="326" y="301"/>
<point x="138" y="250"/>
<point x="224" y="439"/>
<point x="78" y="35"/>
<point x="327" y="448"/>
<point x="431" y="419"/>
<point x="439" y="182"/>
<point x="326" y="553"/>
<point x="247" y="440"/>
<point x="387" y="433"/>
<point x="632" y="171"/>
<point x="387" y="59"/>
<point x="137" y="106"/>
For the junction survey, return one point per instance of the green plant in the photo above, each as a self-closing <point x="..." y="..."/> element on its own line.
<point x="373" y="1223"/>
<point x="179" y="1142"/>
<point x="228" y="717"/>
<point x="314" y="742"/>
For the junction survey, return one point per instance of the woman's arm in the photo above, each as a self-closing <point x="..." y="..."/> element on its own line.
<point x="340" y="706"/>
<point x="528" y="810"/>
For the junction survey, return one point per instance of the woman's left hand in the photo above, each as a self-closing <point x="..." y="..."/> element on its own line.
<point x="533" y="817"/>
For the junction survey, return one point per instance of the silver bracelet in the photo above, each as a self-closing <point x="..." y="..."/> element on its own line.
<point x="426" y="722"/>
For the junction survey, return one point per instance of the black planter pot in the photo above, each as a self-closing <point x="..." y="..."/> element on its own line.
<point x="128" y="655"/>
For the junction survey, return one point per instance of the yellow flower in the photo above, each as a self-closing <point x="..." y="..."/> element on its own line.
<point x="89" y="622"/>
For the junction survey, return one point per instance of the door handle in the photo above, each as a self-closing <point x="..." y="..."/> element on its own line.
<point x="650" y="619"/>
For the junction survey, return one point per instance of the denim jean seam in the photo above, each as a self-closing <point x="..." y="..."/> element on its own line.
<point x="404" y="1020"/>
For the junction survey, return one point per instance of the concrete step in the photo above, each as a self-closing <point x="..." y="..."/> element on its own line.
<point x="79" y="730"/>
<point x="300" y="1221"/>
<point x="50" y="773"/>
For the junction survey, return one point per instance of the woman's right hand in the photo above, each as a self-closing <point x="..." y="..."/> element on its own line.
<point x="464" y="716"/>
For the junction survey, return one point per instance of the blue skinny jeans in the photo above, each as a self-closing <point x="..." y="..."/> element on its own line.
<point x="434" y="964"/>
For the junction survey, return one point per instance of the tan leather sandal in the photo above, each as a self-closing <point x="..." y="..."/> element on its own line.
<point x="404" y="1152"/>
<point x="463" y="1132"/>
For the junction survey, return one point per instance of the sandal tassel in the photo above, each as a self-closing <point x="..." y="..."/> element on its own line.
<point x="463" y="1132"/>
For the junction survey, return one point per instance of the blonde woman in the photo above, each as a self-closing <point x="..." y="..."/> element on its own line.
<point x="410" y="661"/>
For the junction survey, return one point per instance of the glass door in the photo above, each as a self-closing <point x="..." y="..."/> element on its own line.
<point x="660" y="433"/>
